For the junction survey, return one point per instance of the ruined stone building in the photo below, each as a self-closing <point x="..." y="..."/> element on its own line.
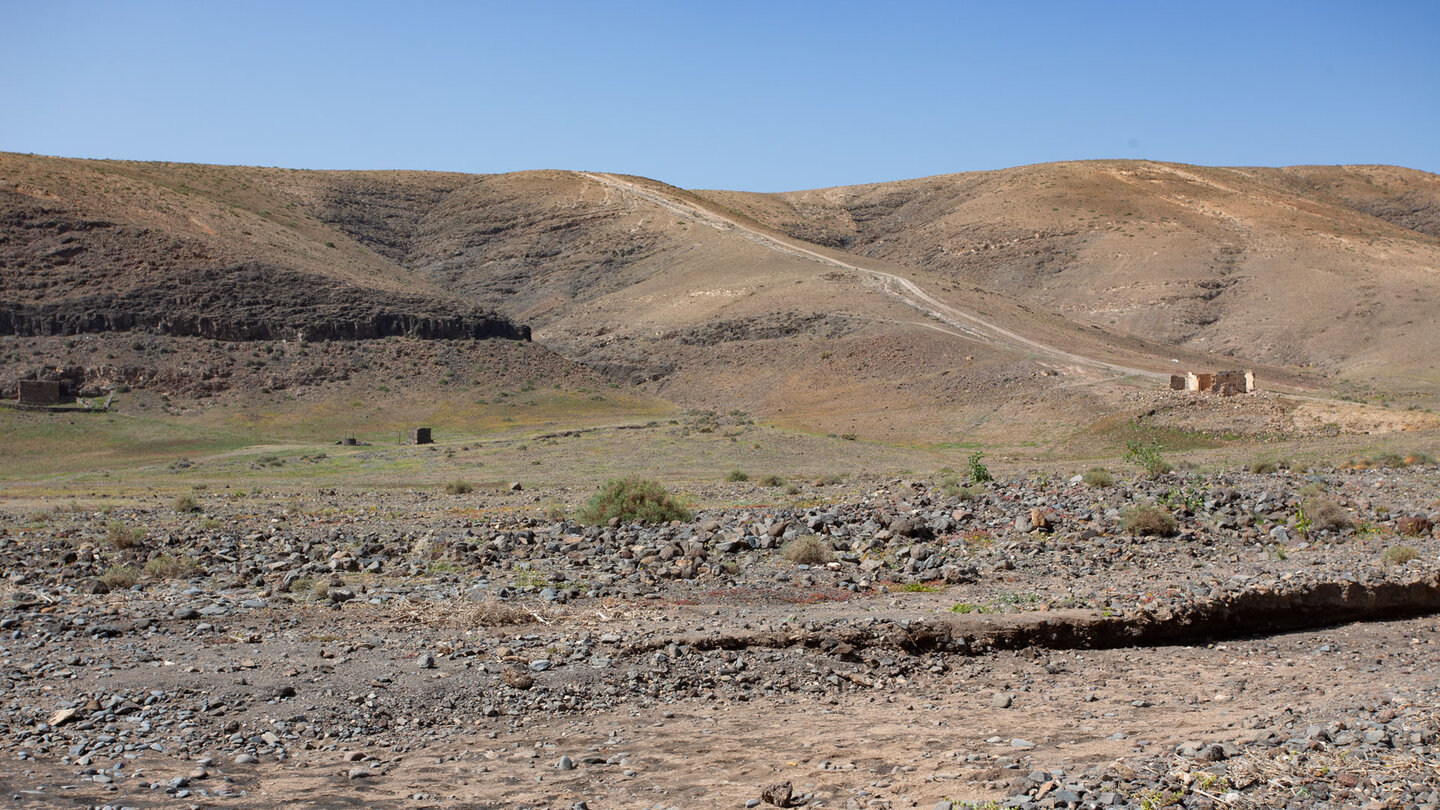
<point x="1223" y="383"/>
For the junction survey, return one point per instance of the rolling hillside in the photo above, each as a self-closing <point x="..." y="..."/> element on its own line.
<point x="990" y="303"/>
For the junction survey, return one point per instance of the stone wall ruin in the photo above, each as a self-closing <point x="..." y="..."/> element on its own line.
<point x="39" y="392"/>
<point x="1221" y="383"/>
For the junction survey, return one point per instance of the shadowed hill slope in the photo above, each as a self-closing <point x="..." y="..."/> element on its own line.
<point x="219" y="252"/>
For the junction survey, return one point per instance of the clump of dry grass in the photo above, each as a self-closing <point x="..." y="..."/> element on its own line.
<point x="458" y="487"/>
<point x="1265" y="467"/>
<point x="122" y="537"/>
<point x="807" y="550"/>
<point x="1150" y="520"/>
<point x="1326" y="514"/>
<point x="120" y="577"/>
<point x="171" y="566"/>
<point x="1098" y="478"/>
<point x="1399" y="555"/>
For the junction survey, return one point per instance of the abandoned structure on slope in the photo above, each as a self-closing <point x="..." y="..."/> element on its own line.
<point x="1223" y="383"/>
<point x="39" y="392"/>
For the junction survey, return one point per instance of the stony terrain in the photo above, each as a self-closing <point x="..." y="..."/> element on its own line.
<point x="896" y="643"/>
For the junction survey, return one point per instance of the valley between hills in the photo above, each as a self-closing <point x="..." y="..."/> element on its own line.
<point x="923" y="524"/>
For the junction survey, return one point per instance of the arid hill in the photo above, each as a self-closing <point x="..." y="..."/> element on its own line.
<point x="1325" y="268"/>
<point x="983" y="303"/>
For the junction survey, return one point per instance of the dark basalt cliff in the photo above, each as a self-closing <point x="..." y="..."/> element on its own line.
<point x="65" y="272"/>
<point x="254" y="303"/>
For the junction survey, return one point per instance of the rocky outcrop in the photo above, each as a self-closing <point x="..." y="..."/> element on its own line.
<point x="251" y="302"/>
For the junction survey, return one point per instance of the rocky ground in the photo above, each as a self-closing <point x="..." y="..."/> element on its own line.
<point x="883" y="643"/>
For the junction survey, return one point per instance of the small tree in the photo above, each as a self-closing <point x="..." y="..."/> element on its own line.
<point x="1147" y="457"/>
<point x="979" y="473"/>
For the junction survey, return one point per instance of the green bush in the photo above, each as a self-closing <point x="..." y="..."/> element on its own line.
<point x="979" y="473"/>
<point x="921" y="587"/>
<point x="458" y="487"/>
<point x="1151" y="520"/>
<point x="633" y="500"/>
<point x="186" y="504"/>
<point x="736" y="476"/>
<point x="1147" y="457"/>
<point x="1099" y="478"/>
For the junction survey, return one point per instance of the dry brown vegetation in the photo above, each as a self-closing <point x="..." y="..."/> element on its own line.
<point x="1144" y="519"/>
<point x="1327" y="514"/>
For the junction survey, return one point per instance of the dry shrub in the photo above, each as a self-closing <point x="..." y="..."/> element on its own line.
<point x="1389" y="459"/>
<point x="952" y="488"/>
<point x="495" y="613"/>
<point x="1150" y="520"/>
<point x="1327" y="514"/>
<point x="1098" y="478"/>
<point x="458" y="487"/>
<point x="120" y="577"/>
<point x="185" y="504"/>
<point x="122" y="537"/>
<point x="466" y="614"/>
<point x="1399" y="555"/>
<point x="807" y="550"/>
<point x="171" y="566"/>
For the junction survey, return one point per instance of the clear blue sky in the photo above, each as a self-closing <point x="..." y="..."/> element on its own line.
<point x="745" y="95"/>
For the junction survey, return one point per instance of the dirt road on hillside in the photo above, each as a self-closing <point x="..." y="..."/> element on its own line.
<point x="969" y="324"/>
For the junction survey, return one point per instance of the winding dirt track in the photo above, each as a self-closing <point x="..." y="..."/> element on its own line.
<point x="970" y="325"/>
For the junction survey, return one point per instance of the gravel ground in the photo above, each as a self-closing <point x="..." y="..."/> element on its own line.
<point x="889" y="644"/>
